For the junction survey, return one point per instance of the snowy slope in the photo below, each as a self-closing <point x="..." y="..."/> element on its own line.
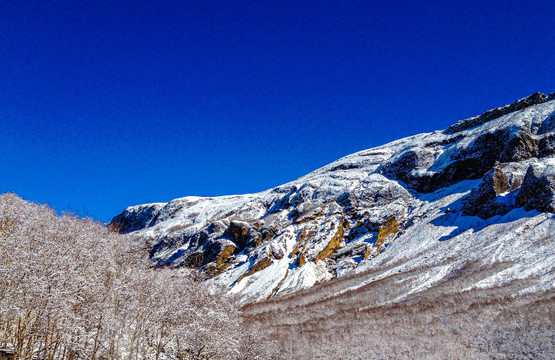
<point x="481" y="190"/>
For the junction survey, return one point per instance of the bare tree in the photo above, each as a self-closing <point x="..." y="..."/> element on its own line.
<point x="72" y="289"/>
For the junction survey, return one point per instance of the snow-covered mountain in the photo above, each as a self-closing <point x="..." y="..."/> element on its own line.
<point x="482" y="190"/>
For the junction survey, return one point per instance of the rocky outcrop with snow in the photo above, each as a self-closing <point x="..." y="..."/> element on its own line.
<point x="430" y="201"/>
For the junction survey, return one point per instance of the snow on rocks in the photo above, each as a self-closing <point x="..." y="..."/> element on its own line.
<point x="431" y="201"/>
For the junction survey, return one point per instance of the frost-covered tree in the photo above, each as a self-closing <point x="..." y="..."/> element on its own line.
<point x="72" y="289"/>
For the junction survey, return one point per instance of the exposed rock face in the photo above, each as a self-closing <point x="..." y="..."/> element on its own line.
<point x="348" y="213"/>
<point x="471" y="162"/>
<point x="136" y="217"/>
<point x="538" y="188"/>
<point x="530" y="185"/>
<point x="534" y="99"/>
<point x="496" y="193"/>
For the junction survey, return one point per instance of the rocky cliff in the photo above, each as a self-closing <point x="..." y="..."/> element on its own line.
<point x="434" y="201"/>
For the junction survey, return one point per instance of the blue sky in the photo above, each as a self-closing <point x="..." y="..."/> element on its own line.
<point x="109" y="104"/>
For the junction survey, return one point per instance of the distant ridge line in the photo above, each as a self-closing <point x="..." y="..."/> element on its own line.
<point x="534" y="99"/>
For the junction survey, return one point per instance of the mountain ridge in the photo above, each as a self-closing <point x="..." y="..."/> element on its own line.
<point x="462" y="182"/>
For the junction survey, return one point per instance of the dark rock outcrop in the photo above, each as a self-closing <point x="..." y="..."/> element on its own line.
<point x="135" y="218"/>
<point x="546" y="146"/>
<point x="536" y="98"/>
<point x="495" y="194"/>
<point x="538" y="189"/>
<point x="238" y="232"/>
<point x="508" y="186"/>
<point x="472" y="162"/>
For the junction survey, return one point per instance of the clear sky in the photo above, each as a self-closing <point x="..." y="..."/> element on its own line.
<point x="106" y="104"/>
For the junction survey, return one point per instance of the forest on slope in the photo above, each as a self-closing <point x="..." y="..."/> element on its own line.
<point x="72" y="289"/>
